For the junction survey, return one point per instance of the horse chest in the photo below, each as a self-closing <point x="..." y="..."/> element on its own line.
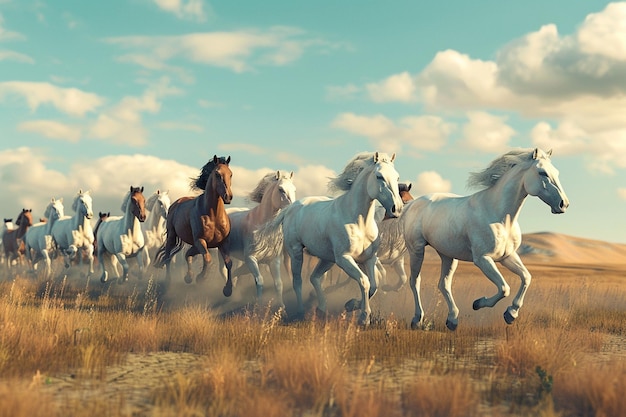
<point x="214" y="230"/>
<point x="506" y="239"/>
<point x="361" y="239"/>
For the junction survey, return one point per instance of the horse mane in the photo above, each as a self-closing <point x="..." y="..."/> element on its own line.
<point x="498" y="167"/>
<point x="199" y="183"/>
<point x="257" y="194"/>
<point x="152" y="200"/>
<point x="343" y="182"/>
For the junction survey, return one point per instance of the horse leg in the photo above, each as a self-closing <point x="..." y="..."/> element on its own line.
<point x="416" y="258"/>
<point x="278" y="282"/>
<point x="448" y="266"/>
<point x="143" y="260"/>
<point x="104" y="276"/>
<point x="296" y="255"/>
<point x="398" y="266"/>
<point x="370" y="271"/>
<point x="225" y="252"/>
<point x="488" y="266"/>
<point x="515" y="265"/>
<point x="191" y="252"/>
<point x="348" y="264"/>
<point x="316" y="280"/>
<point x="89" y="250"/>
<point x="253" y="266"/>
<point x="206" y="260"/>
<point x="121" y="258"/>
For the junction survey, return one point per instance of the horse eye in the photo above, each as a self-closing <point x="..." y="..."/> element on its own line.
<point x="543" y="173"/>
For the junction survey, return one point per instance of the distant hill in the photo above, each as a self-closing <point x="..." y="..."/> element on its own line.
<point x="560" y="248"/>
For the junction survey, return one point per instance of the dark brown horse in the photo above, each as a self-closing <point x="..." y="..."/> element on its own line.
<point x="13" y="240"/>
<point x="201" y="221"/>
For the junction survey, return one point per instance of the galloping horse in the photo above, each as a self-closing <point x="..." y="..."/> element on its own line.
<point x="392" y="248"/>
<point x="38" y="238"/>
<point x="13" y="239"/>
<point x="274" y="192"/>
<point x="157" y="205"/>
<point x="122" y="235"/>
<point x="481" y="228"/>
<point x="201" y="221"/>
<point x="72" y="233"/>
<point x="339" y="231"/>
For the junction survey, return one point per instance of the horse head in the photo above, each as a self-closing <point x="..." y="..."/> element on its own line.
<point x="55" y="210"/>
<point x="285" y="190"/>
<point x="221" y="178"/>
<point x="404" y="188"/>
<point x="383" y="184"/>
<point x="25" y="218"/>
<point x="137" y="203"/>
<point x="542" y="180"/>
<point x="164" y="203"/>
<point x="83" y="204"/>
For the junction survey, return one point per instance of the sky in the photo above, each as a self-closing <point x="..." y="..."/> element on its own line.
<point x="104" y="95"/>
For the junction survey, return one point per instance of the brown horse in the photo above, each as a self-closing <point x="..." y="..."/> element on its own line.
<point x="201" y="221"/>
<point x="13" y="240"/>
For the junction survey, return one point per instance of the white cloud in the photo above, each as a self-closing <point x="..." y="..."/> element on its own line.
<point x="603" y="33"/>
<point x="430" y="182"/>
<point x="342" y="92"/>
<point x="190" y="127"/>
<point x="71" y="101"/>
<point x="186" y="10"/>
<point x="486" y="133"/>
<point x="26" y="176"/>
<point x="51" y="129"/>
<point x="238" y="51"/>
<point x="122" y="123"/>
<point x="398" y="87"/>
<point x="7" y="55"/>
<point x="418" y="132"/>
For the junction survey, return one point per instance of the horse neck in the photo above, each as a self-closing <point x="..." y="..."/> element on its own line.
<point x="211" y="204"/>
<point x="154" y="221"/>
<point x="506" y="197"/>
<point x="265" y="210"/>
<point x="356" y="201"/>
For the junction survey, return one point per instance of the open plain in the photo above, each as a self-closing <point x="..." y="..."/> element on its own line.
<point x="74" y="346"/>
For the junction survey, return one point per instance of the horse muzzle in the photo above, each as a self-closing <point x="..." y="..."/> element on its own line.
<point x="561" y="208"/>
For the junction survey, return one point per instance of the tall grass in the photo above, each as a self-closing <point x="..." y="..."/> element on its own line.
<point x="62" y="342"/>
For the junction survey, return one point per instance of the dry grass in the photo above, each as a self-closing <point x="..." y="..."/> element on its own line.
<point x="62" y="342"/>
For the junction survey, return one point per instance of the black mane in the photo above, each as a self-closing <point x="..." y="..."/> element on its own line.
<point x="199" y="183"/>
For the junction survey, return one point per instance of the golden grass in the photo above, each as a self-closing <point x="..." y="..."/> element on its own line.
<point x="61" y="341"/>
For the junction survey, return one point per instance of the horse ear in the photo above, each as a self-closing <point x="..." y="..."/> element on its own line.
<point x="376" y="156"/>
<point x="408" y="186"/>
<point x="291" y="175"/>
<point x="549" y="153"/>
<point x="215" y="159"/>
<point x="228" y="160"/>
<point x="277" y="175"/>
<point x="141" y="189"/>
<point x="131" y="188"/>
<point x="535" y="153"/>
<point x="393" y="157"/>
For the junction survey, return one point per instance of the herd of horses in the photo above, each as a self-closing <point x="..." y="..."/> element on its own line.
<point x="369" y="221"/>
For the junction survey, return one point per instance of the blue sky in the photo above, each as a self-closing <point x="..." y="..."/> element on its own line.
<point x="103" y="95"/>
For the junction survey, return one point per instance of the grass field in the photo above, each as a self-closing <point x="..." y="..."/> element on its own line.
<point x="71" y="346"/>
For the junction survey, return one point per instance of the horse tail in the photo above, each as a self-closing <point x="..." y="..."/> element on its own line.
<point x="161" y="258"/>
<point x="267" y="240"/>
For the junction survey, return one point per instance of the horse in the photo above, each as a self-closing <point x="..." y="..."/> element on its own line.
<point x="13" y="239"/>
<point x="201" y="222"/>
<point x="392" y="249"/>
<point x="481" y="228"/>
<point x="72" y="233"/>
<point x="340" y="230"/>
<point x="38" y="241"/>
<point x="274" y="192"/>
<point x="157" y="206"/>
<point x="122" y="235"/>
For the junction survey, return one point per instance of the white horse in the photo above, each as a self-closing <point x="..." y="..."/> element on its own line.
<point x="274" y="192"/>
<point x="481" y="228"/>
<point x="38" y="241"/>
<point x="122" y="235"/>
<point x="157" y="206"/>
<point x="339" y="231"/>
<point x="72" y="233"/>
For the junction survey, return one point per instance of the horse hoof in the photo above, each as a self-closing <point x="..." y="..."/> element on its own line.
<point x="476" y="304"/>
<point x="228" y="291"/>
<point x="188" y="279"/>
<point x="104" y="278"/>
<point x="508" y="317"/>
<point x="352" y="305"/>
<point x="416" y="324"/>
<point x="451" y="325"/>
<point x="364" y="319"/>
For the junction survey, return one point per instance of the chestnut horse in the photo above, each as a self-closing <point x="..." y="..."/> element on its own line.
<point x="201" y="222"/>
<point x="13" y="239"/>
